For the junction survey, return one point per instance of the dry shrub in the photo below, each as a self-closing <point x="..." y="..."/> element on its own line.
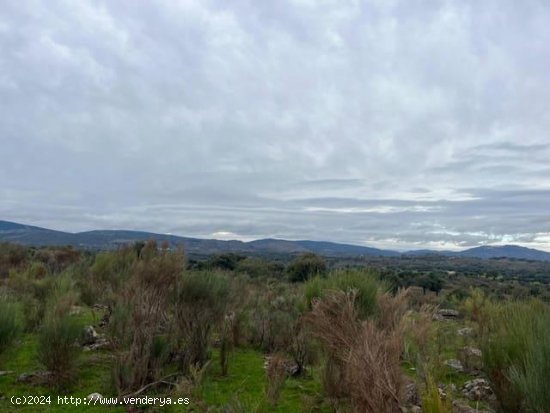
<point x="374" y="370"/>
<point x="417" y="330"/>
<point x="391" y="310"/>
<point x="141" y="307"/>
<point x="363" y="357"/>
<point x="276" y="376"/>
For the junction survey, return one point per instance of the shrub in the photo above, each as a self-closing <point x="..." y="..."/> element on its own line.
<point x="57" y="349"/>
<point x="276" y="376"/>
<point x="139" y="318"/>
<point x="534" y="377"/>
<point x="363" y="358"/>
<point x="10" y="322"/>
<point x="515" y="355"/>
<point x="305" y="266"/>
<point x="363" y="282"/>
<point x="431" y="399"/>
<point x="200" y="304"/>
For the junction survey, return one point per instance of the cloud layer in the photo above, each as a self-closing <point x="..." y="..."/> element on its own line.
<point x="400" y="124"/>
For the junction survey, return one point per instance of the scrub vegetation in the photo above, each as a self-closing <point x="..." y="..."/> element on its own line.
<point x="267" y="334"/>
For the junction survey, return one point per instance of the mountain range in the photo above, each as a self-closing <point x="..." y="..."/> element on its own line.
<point x="111" y="239"/>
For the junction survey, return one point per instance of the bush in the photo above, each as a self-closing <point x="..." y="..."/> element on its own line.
<point x="57" y="349"/>
<point x="276" y="377"/>
<point x="516" y="355"/>
<point x="10" y="322"/>
<point x="305" y="266"/>
<point x="201" y="303"/>
<point x="363" y="282"/>
<point x="139" y="322"/>
<point x="363" y="359"/>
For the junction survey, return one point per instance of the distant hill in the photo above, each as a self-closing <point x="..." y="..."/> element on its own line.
<point x="112" y="239"/>
<point x="487" y="252"/>
<point x="508" y="251"/>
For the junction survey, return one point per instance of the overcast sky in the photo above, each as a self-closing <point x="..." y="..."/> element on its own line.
<point x="390" y="123"/>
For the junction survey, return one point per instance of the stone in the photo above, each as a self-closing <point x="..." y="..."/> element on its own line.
<point x="472" y="352"/>
<point x="455" y="364"/>
<point x="477" y="390"/>
<point x="446" y="314"/>
<point x="466" y="332"/>
<point x="411" y="395"/>
<point x="99" y="344"/>
<point x="5" y="372"/>
<point x="90" y="335"/>
<point x="94" y="397"/>
<point x="35" y="377"/>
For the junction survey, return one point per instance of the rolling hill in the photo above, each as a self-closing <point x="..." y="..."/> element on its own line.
<point x="112" y="239"/>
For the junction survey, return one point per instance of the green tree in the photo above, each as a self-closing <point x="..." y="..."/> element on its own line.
<point x="305" y="266"/>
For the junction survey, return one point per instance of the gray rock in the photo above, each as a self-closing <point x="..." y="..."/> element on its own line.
<point x="472" y="352"/>
<point x="466" y="332"/>
<point x="99" y="344"/>
<point x="35" y="377"/>
<point x="446" y="314"/>
<point x="90" y="335"/>
<point x="478" y="390"/>
<point x="94" y="397"/>
<point x="411" y="397"/>
<point x="455" y="364"/>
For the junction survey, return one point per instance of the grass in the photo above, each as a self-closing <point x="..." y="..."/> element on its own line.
<point x="246" y="380"/>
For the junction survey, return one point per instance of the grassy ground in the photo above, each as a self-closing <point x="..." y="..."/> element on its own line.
<point x="245" y="382"/>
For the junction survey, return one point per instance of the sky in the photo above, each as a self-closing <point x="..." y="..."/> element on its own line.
<point x="399" y="124"/>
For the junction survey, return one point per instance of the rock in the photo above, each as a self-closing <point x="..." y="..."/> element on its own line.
<point x="466" y="332"/>
<point x="471" y="360"/>
<point x="455" y="364"/>
<point x="415" y="409"/>
<point x="35" y="377"/>
<point x="446" y="314"/>
<point x="411" y="396"/>
<point x="94" y="397"/>
<point x="5" y="372"/>
<point x="477" y="390"/>
<point x="99" y="344"/>
<point x="90" y="335"/>
<point x="92" y="340"/>
<point x="472" y="352"/>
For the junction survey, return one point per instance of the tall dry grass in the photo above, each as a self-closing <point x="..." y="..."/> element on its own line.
<point x="363" y="356"/>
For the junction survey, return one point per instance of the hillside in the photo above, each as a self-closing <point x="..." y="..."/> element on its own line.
<point x="112" y="239"/>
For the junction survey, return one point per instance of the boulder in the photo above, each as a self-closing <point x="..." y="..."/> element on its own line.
<point x="446" y="314"/>
<point x="477" y="390"/>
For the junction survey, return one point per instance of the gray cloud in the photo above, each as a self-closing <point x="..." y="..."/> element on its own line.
<point x="399" y="123"/>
